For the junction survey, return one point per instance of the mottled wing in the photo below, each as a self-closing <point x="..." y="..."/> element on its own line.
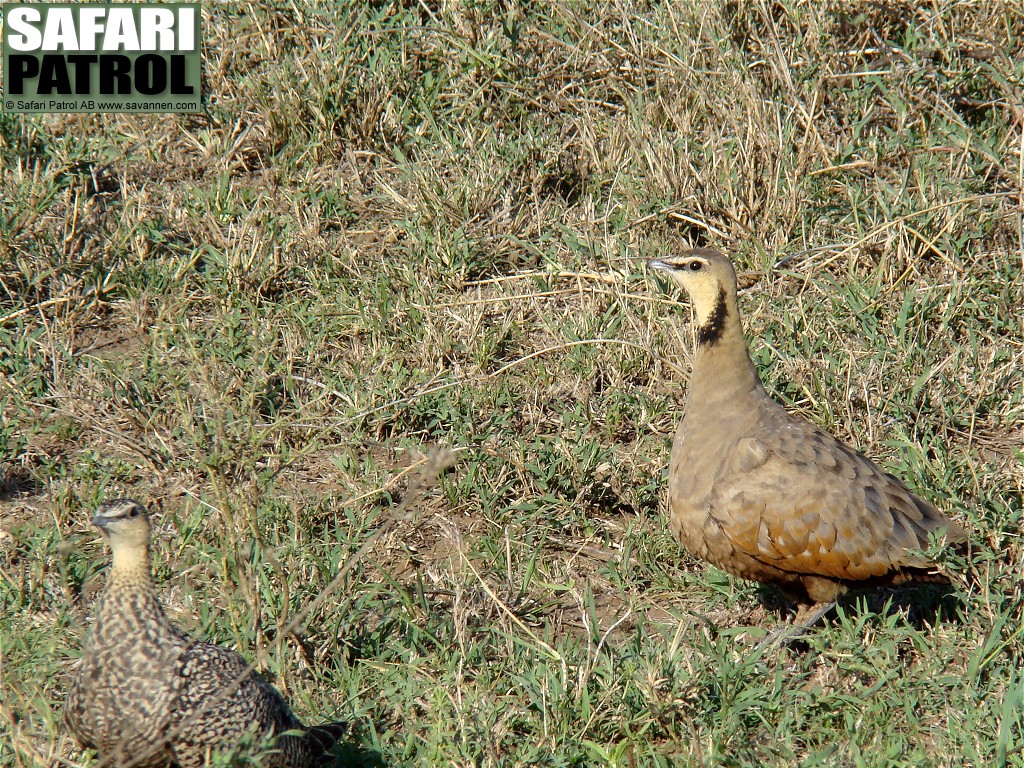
<point x="221" y="701"/>
<point x="800" y="500"/>
<point x="120" y="701"/>
<point x="76" y="715"/>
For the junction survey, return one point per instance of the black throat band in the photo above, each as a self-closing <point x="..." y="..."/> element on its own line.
<point x="710" y="332"/>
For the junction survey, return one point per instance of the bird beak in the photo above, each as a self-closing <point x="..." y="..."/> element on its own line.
<point x="98" y="521"/>
<point x="659" y="264"/>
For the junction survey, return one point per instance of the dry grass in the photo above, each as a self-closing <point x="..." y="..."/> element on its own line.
<point x="405" y="228"/>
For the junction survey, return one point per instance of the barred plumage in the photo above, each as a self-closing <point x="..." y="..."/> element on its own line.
<point x="148" y="695"/>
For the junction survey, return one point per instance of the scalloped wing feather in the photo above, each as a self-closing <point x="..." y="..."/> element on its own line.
<point x="798" y="499"/>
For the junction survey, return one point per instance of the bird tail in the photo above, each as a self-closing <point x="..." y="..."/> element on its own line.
<point x="325" y="736"/>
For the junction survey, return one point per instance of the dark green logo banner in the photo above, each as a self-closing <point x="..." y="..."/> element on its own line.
<point x="101" y="57"/>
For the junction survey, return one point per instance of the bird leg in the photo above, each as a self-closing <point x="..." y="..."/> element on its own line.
<point x="806" y="617"/>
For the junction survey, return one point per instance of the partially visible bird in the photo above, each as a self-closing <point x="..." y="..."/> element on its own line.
<point x="764" y="494"/>
<point x="148" y="695"/>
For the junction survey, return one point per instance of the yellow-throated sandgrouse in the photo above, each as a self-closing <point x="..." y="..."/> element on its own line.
<point x="148" y="695"/>
<point x="766" y="495"/>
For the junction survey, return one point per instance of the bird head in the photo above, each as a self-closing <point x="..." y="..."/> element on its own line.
<point x="703" y="273"/>
<point x="124" y="524"/>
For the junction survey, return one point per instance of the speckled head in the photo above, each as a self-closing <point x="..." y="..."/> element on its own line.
<point x="123" y="523"/>
<point x="710" y="280"/>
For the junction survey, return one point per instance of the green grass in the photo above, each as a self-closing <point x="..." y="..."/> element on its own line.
<point x="407" y="228"/>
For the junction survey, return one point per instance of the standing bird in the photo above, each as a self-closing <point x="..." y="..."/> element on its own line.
<point x="147" y="695"/>
<point x="766" y="495"/>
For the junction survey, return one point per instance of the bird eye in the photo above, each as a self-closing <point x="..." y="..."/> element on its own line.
<point x="135" y="512"/>
<point x="695" y="266"/>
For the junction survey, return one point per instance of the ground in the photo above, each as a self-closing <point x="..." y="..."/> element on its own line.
<point x="374" y="337"/>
